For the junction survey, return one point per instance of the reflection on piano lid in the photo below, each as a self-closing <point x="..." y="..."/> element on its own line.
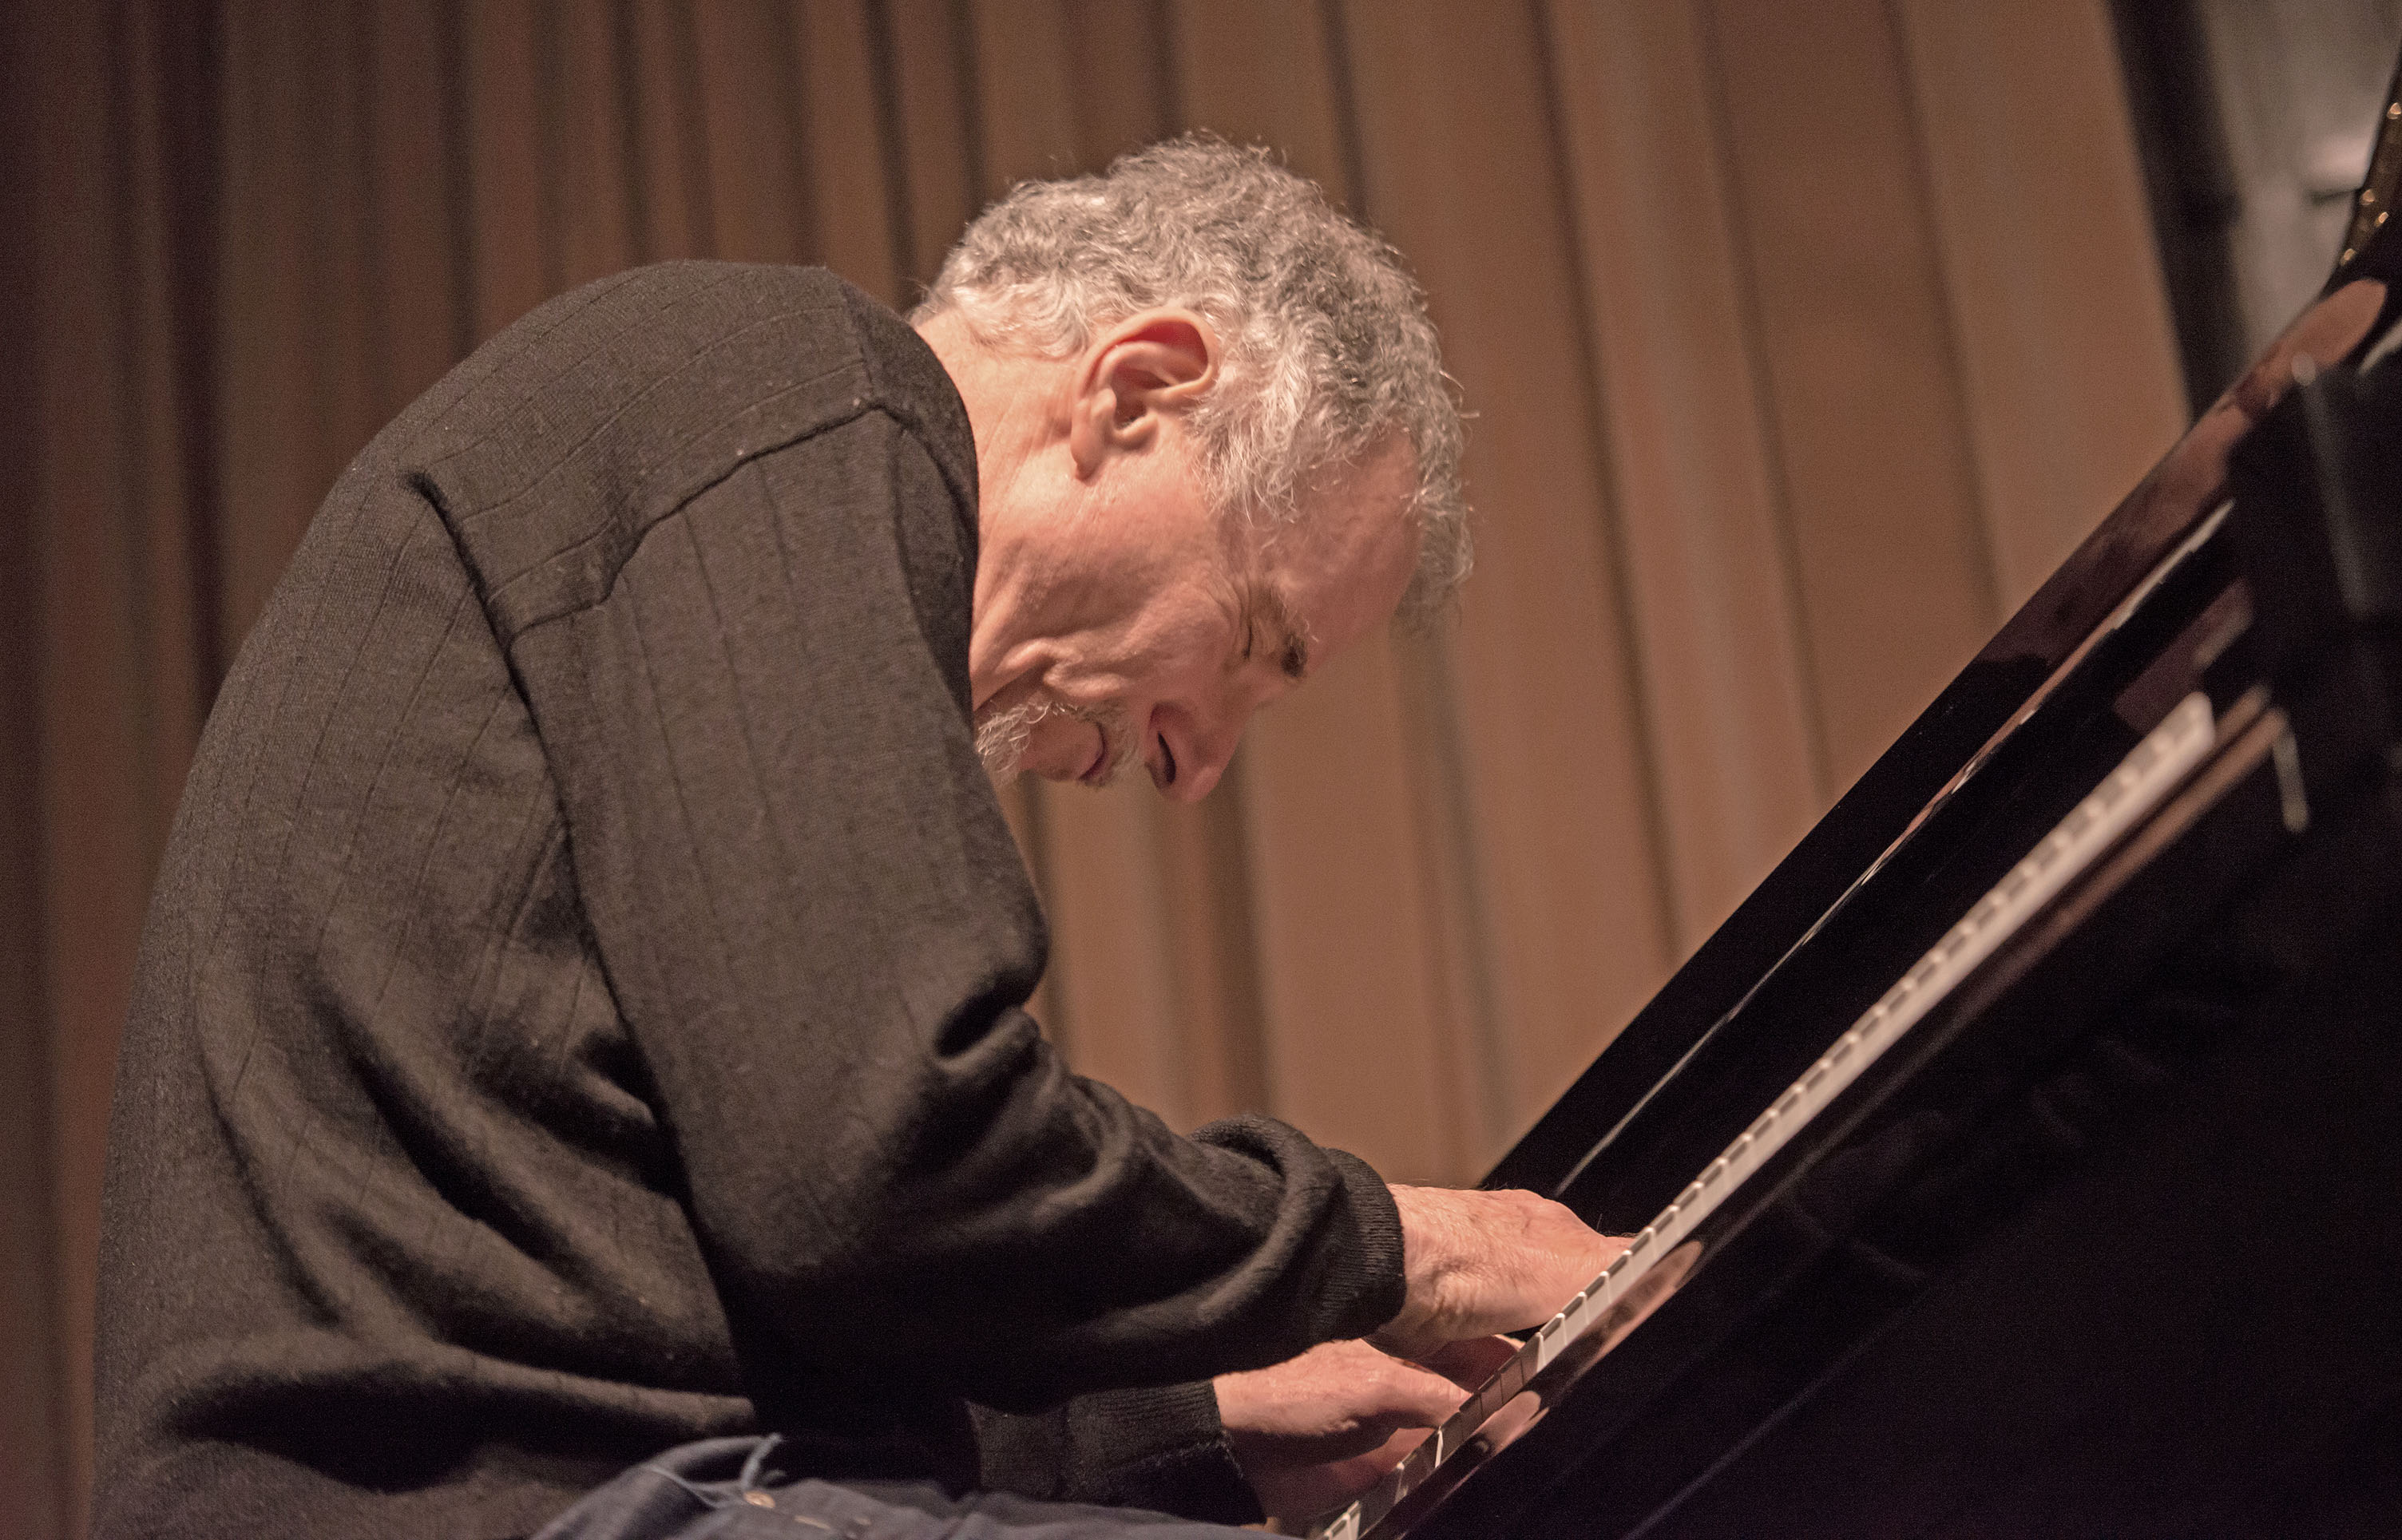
<point x="1959" y="1159"/>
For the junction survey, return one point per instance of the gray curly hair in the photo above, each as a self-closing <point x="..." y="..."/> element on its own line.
<point x="1326" y="353"/>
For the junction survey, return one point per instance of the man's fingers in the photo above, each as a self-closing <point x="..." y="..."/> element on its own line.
<point x="1338" y="1398"/>
<point x="1471" y="1361"/>
<point x="1296" y="1494"/>
<point x="1420" y="1397"/>
<point x="1317" y="1430"/>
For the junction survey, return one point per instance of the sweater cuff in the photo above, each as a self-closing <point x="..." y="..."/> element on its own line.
<point x="1164" y="1449"/>
<point x="1355" y="1275"/>
<point x="1159" y="1448"/>
<point x="1375" y="1275"/>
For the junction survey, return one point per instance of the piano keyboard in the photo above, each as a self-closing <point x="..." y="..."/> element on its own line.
<point x="1652" y="1265"/>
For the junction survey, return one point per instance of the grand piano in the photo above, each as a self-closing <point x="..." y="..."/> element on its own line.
<point x="2025" y="1157"/>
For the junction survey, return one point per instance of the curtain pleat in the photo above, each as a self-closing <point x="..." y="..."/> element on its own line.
<point x="1802" y="340"/>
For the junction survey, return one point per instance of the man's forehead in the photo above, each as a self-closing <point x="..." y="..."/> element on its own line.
<point x="1346" y="512"/>
<point x="1337" y="571"/>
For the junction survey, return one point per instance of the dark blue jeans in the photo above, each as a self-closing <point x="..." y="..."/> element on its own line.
<point x="728" y="1489"/>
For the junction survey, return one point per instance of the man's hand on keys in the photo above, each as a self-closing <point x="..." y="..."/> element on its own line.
<point x="1319" y="1430"/>
<point x="1476" y="1263"/>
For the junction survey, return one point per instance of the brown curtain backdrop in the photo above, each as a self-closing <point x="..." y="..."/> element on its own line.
<point x="1803" y="336"/>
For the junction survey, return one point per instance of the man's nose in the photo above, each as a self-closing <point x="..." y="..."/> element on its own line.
<point x="1203" y="745"/>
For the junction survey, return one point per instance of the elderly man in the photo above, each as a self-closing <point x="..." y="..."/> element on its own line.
<point x="580" y="1024"/>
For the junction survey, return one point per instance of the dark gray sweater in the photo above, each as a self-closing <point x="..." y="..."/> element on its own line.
<point x="580" y="1010"/>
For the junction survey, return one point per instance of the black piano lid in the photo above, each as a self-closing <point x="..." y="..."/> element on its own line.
<point x="2360" y="303"/>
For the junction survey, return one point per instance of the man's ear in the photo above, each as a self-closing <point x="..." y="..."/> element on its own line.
<point x="1151" y="364"/>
